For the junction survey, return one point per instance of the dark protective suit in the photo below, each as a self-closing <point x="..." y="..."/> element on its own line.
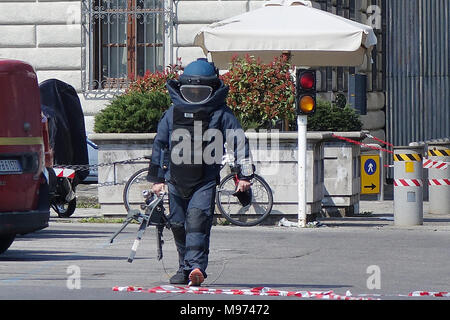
<point x="191" y="216"/>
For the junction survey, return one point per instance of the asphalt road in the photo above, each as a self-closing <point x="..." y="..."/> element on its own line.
<point x="361" y="256"/>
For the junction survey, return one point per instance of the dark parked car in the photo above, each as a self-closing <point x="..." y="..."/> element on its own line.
<point x="93" y="161"/>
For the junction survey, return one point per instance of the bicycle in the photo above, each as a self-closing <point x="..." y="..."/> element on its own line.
<point x="226" y="202"/>
<point x="230" y="207"/>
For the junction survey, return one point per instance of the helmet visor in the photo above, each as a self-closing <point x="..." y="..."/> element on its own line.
<point x="196" y="94"/>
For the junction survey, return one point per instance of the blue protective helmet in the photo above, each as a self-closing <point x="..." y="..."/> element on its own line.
<point x="199" y="81"/>
<point x="200" y="72"/>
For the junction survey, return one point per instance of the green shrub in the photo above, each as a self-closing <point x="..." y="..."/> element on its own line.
<point x="260" y="94"/>
<point x="331" y="118"/>
<point x="140" y="108"/>
<point x="133" y="112"/>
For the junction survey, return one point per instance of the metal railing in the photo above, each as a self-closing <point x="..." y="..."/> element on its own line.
<point x="121" y="40"/>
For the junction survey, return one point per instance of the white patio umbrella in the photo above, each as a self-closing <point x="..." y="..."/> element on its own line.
<point x="311" y="36"/>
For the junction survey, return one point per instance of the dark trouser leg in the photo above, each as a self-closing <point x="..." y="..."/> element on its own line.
<point x="199" y="219"/>
<point x="179" y="235"/>
<point x="177" y="208"/>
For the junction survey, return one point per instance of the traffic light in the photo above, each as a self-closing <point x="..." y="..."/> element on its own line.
<point x="306" y="91"/>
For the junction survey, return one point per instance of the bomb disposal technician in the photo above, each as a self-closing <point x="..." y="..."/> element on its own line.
<point x="187" y="154"/>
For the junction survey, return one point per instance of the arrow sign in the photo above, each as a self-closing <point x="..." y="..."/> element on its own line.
<point x="370" y="187"/>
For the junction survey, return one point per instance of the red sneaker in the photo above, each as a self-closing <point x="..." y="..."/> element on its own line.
<point x="196" y="277"/>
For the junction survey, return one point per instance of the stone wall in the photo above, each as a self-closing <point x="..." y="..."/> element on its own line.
<point x="275" y="156"/>
<point x="46" y="34"/>
<point x="192" y="15"/>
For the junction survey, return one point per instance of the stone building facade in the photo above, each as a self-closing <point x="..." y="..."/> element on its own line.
<point x="85" y="42"/>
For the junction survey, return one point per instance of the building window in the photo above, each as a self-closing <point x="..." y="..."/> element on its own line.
<point x="124" y="39"/>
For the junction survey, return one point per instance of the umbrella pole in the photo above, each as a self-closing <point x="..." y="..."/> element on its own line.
<point x="302" y="122"/>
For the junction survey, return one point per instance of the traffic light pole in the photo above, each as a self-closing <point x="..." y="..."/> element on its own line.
<point x="306" y="105"/>
<point x="302" y="121"/>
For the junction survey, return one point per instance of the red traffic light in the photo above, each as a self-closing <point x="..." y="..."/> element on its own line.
<point x="307" y="80"/>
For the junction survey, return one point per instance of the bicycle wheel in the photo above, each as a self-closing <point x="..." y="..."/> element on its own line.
<point x="65" y="209"/>
<point x="251" y="215"/>
<point x="132" y="192"/>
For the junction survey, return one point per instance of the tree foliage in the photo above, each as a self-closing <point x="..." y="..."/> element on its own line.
<point x="332" y="118"/>
<point x="260" y="94"/>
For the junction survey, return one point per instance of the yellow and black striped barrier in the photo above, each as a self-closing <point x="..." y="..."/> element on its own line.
<point x="439" y="153"/>
<point x="407" y="157"/>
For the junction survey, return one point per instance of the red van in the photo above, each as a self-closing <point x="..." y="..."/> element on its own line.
<point x="24" y="193"/>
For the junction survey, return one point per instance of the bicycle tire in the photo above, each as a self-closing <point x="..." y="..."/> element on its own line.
<point x="242" y="219"/>
<point x="138" y="176"/>
<point x="65" y="209"/>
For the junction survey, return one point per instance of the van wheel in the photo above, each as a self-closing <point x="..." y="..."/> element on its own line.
<point x="65" y="210"/>
<point x="5" y="242"/>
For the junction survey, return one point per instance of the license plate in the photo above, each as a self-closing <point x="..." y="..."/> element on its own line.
<point x="10" y="166"/>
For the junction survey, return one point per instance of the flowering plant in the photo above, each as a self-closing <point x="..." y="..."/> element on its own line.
<point x="155" y="81"/>
<point x="261" y="94"/>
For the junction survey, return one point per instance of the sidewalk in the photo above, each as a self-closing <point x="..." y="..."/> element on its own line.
<point x="381" y="214"/>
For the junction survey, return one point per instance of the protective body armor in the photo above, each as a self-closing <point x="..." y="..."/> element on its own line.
<point x="188" y="174"/>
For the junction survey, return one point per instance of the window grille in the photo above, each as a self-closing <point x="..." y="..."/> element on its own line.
<point x="122" y="39"/>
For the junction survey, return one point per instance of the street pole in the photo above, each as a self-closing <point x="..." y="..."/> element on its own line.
<point x="302" y="121"/>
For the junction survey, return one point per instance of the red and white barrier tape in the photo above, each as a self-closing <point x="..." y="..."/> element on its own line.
<point x="430" y="164"/>
<point x="265" y="291"/>
<point x="259" y="291"/>
<point x="408" y="182"/>
<point x="379" y="140"/>
<point x="361" y="144"/>
<point x="429" y="293"/>
<point x="439" y="182"/>
<point x="64" y="173"/>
